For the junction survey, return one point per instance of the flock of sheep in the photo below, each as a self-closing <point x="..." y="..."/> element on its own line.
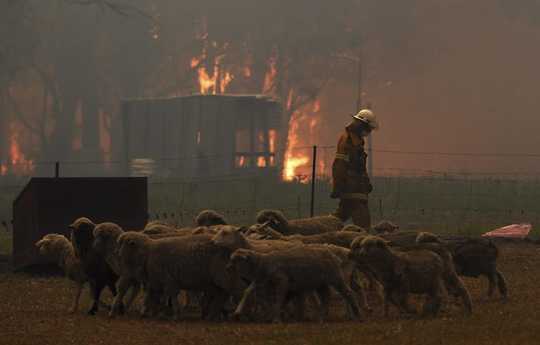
<point x="257" y="271"/>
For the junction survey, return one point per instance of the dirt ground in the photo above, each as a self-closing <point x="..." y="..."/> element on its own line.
<point x="33" y="310"/>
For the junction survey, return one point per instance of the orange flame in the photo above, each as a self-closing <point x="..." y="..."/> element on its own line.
<point x="303" y="131"/>
<point x="270" y="76"/>
<point x="19" y="164"/>
<point x="227" y="78"/>
<point x="261" y="162"/>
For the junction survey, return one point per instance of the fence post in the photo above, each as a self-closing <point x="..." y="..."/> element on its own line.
<point x="313" y="177"/>
<point x="57" y="169"/>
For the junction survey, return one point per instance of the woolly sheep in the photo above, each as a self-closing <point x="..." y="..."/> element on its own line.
<point x="295" y="270"/>
<point x="402" y="273"/>
<point x="99" y="273"/>
<point x="59" y="248"/>
<point x="306" y="226"/>
<point x="166" y="266"/>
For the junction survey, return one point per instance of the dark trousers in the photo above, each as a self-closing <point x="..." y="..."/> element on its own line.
<point x="358" y="209"/>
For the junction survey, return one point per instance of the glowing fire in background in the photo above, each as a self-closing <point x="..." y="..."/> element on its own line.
<point x="303" y="130"/>
<point x="17" y="164"/>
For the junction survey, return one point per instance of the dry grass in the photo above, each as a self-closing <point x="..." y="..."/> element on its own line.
<point x="30" y="315"/>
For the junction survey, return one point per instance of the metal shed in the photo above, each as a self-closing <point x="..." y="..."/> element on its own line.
<point x="49" y="205"/>
<point x="202" y="135"/>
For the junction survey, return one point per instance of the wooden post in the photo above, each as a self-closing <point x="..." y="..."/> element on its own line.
<point x="313" y="177"/>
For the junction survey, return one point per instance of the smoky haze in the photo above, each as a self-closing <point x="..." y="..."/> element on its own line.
<point x="443" y="77"/>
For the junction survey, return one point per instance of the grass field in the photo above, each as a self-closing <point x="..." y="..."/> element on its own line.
<point x="34" y="311"/>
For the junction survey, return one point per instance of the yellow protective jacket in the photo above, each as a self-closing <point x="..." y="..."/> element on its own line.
<point x="349" y="172"/>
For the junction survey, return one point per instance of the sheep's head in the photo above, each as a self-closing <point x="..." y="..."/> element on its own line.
<point x="82" y="235"/>
<point x="50" y="244"/>
<point x="229" y="236"/>
<point x="132" y="247"/>
<point x="209" y="218"/>
<point x="244" y="262"/>
<point x="262" y="231"/>
<point x="385" y="226"/>
<point x="427" y="237"/>
<point x="369" y="247"/>
<point x="105" y="237"/>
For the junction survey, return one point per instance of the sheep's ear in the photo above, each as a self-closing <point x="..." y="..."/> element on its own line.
<point x="40" y="242"/>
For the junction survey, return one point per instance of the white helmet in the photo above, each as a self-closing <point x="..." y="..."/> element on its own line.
<point x="367" y="116"/>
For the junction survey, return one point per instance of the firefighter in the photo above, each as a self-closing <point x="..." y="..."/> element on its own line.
<point x="350" y="179"/>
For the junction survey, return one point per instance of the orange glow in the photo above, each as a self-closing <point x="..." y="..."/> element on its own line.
<point x="19" y="164"/>
<point x="241" y="161"/>
<point x="270" y="76"/>
<point x="272" y="135"/>
<point x="227" y="78"/>
<point x="304" y="126"/>
<point x="195" y="62"/>
<point x="246" y="71"/>
<point x="261" y="162"/>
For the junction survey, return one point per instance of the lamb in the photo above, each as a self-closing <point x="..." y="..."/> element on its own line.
<point x="210" y="217"/>
<point x="105" y="239"/>
<point x="292" y="271"/>
<point x="59" y="248"/>
<point x="452" y="282"/>
<point x="168" y="265"/>
<point x="473" y="257"/>
<point x="401" y="273"/>
<point x="99" y="273"/>
<point x="306" y="226"/>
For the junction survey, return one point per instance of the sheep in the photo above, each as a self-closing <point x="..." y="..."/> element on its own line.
<point x="384" y="227"/>
<point x="402" y="273"/>
<point x="452" y="282"/>
<point x="339" y="238"/>
<point x="306" y="226"/>
<point x="105" y="239"/>
<point x="157" y="227"/>
<point x="210" y="217"/>
<point x="166" y="266"/>
<point x="99" y="273"/>
<point x="473" y="257"/>
<point x="354" y="228"/>
<point x="58" y="248"/>
<point x="297" y="271"/>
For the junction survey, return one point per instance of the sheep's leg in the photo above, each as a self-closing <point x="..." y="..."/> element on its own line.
<point x="96" y="292"/>
<point x="123" y="287"/>
<point x="460" y="290"/>
<point x="324" y="298"/>
<point x="359" y="290"/>
<point x="435" y="300"/>
<point x="347" y="296"/>
<point x="135" y="289"/>
<point x="76" y="298"/>
<point x="503" y="289"/>
<point x="493" y="282"/>
<point x="241" y="305"/>
<point x="172" y="294"/>
<point x="281" y="287"/>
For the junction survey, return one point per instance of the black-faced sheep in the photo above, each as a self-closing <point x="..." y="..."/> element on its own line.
<point x="209" y="218"/>
<point x="292" y="271"/>
<point x="402" y="273"/>
<point x="99" y="273"/>
<point x="306" y="226"/>
<point x="354" y="228"/>
<point x="58" y="248"/>
<point x="166" y="266"/>
<point x="105" y="243"/>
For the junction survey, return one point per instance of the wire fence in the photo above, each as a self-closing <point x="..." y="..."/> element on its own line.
<point x="414" y="189"/>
